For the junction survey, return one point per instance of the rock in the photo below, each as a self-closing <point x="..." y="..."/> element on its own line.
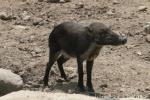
<point x="5" y="16"/>
<point x="25" y="16"/>
<point x="110" y="13"/>
<point x="104" y="85"/>
<point x="20" y="27"/>
<point x="148" y="38"/>
<point x="70" y="91"/>
<point x="142" y="8"/>
<point x="116" y="2"/>
<point x="37" y="50"/>
<point x="139" y="53"/>
<point x="147" y="28"/>
<point x="80" y="5"/>
<point x="37" y="95"/>
<point x="64" y="1"/>
<point x="36" y="21"/>
<point x="31" y="38"/>
<point x="9" y="82"/>
<point x="130" y="46"/>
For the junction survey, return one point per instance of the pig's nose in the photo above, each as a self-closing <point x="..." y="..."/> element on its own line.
<point x="124" y="40"/>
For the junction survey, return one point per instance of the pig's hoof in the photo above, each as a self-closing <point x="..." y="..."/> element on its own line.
<point x="90" y="91"/>
<point x="82" y="88"/>
<point x="45" y="85"/>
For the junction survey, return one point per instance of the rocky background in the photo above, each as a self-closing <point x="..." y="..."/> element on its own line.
<point x="122" y="71"/>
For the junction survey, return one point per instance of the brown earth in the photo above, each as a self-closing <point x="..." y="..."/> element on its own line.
<point x="122" y="71"/>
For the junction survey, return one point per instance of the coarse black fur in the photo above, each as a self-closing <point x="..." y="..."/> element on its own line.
<point x="70" y="39"/>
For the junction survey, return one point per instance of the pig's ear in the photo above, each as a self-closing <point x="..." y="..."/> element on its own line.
<point x="90" y="32"/>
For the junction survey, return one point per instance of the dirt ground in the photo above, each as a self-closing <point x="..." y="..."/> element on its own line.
<point x="122" y="71"/>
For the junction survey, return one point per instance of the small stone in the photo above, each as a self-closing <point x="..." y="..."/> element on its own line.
<point x="60" y="80"/>
<point x="130" y="46"/>
<point x="122" y="90"/>
<point x="104" y="86"/>
<point x="27" y="86"/>
<point x="139" y="53"/>
<point x="46" y="89"/>
<point x="17" y="27"/>
<point x="80" y="5"/>
<point x="35" y="85"/>
<point x="70" y="91"/>
<point x="36" y="21"/>
<point x="64" y="1"/>
<point x="148" y="38"/>
<point x="142" y="8"/>
<point x="5" y="16"/>
<point x="147" y="28"/>
<point x="37" y="50"/>
<point x="116" y="2"/>
<point x="25" y="16"/>
<point x="147" y="89"/>
<point x="31" y="39"/>
<point x="33" y="54"/>
<point x="110" y="13"/>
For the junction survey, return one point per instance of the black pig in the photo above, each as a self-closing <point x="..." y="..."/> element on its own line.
<point x="70" y="39"/>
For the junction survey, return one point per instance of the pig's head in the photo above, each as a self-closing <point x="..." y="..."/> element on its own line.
<point x="103" y="35"/>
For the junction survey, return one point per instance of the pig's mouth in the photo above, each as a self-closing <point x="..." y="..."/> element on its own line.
<point x="120" y="41"/>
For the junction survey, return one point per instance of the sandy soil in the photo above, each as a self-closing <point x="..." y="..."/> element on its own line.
<point x="122" y="71"/>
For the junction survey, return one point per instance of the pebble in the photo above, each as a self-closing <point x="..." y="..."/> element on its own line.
<point x="130" y="46"/>
<point x="9" y="81"/>
<point x="139" y="53"/>
<point x="70" y="91"/>
<point x="104" y="86"/>
<point x="110" y="13"/>
<point x="25" y="16"/>
<point x="20" y="27"/>
<point x="37" y="50"/>
<point x="147" y="28"/>
<point x="142" y="8"/>
<point x="148" y="38"/>
<point x="36" y="21"/>
<point x="80" y="5"/>
<point x="5" y="16"/>
<point x="64" y="1"/>
<point x="116" y="2"/>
